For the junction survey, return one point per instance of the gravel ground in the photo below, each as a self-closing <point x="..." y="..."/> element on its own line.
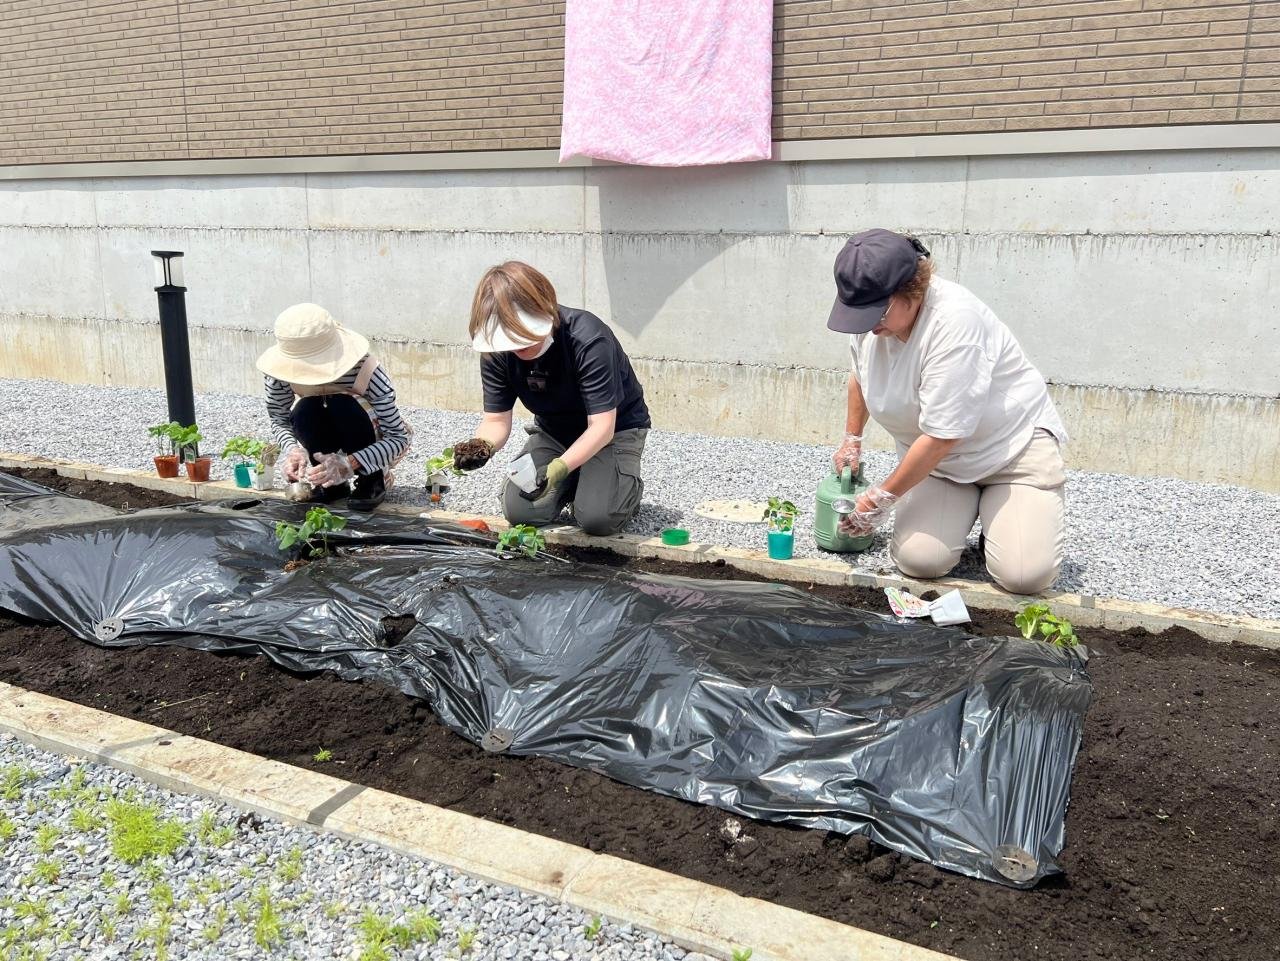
<point x="1212" y="547"/>
<point x="83" y="875"/>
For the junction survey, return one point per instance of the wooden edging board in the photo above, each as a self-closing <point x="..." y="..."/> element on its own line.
<point x="1082" y="610"/>
<point x="696" y="915"/>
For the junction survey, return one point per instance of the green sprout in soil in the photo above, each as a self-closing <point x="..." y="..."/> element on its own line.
<point x="592" y="930"/>
<point x="521" y="539"/>
<point x="323" y="756"/>
<point x="1036" y="619"/>
<point x="137" y="832"/>
<point x="780" y="514"/>
<point x="319" y="523"/>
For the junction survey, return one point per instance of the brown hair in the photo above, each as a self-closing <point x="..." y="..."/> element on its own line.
<point x="918" y="285"/>
<point x="505" y="288"/>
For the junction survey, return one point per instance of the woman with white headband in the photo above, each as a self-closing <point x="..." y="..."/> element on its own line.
<point x="568" y="369"/>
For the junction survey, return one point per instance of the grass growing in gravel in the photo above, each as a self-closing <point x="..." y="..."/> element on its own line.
<point x="13" y="777"/>
<point x="268" y="929"/>
<point x="139" y="832"/>
<point x="379" y="934"/>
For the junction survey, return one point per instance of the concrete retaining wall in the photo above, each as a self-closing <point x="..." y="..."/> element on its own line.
<point x="1143" y="285"/>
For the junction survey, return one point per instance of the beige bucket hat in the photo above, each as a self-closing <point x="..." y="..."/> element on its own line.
<point x="311" y="347"/>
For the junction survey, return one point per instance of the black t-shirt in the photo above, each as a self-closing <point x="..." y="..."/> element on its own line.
<point x="585" y="371"/>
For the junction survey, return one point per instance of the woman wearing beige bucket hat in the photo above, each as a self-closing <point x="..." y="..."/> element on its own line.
<point x="332" y="407"/>
<point x="568" y="369"/>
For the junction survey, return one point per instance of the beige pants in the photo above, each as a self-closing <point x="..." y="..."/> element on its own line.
<point x="1021" y="507"/>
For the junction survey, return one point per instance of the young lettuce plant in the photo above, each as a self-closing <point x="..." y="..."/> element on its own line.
<point x="313" y="534"/>
<point x="1036" y="619"/>
<point x="521" y="539"/>
<point x="780" y="514"/>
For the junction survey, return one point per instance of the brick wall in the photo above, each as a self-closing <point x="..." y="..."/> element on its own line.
<point x="163" y="79"/>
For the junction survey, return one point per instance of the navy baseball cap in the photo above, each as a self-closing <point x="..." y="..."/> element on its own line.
<point x="872" y="265"/>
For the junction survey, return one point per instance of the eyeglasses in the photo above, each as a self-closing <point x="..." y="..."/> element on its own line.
<point x="885" y="316"/>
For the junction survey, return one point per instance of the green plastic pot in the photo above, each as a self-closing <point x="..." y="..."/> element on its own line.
<point x="782" y="545"/>
<point x="242" y="476"/>
<point x="675" y="536"/>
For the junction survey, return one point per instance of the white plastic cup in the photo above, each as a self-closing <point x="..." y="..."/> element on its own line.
<point x="524" y="473"/>
<point x="949" y="609"/>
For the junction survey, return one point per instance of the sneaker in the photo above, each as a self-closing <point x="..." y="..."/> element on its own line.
<point x="370" y="491"/>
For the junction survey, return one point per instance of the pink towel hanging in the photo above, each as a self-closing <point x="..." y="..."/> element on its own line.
<point x="668" y="82"/>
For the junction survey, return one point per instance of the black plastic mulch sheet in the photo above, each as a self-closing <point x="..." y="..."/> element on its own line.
<point x="755" y="698"/>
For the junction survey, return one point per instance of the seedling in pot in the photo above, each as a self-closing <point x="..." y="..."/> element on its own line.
<point x="521" y="539"/>
<point x="186" y="440"/>
<point x="166" y="436"/>
<point x="242" y="450"/>
<point x="780" y="514"/>
<point x="1037" y="620"/>
<point x="312" y="536"/>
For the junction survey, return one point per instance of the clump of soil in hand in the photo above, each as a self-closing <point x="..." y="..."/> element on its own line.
<point x="470" y="454"/>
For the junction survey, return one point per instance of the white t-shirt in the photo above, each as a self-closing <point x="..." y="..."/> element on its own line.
<point x="960" y="374"/>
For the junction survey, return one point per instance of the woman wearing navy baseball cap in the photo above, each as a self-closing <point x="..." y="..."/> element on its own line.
<point x="976" y="432"/>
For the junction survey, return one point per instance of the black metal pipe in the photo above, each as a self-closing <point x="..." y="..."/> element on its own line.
<point x="176" y="348"/>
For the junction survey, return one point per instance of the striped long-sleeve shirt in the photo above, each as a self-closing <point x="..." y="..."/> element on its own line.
<point x="394" y="437"/>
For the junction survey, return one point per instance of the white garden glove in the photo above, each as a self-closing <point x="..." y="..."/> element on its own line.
<point x="874" y="508"/>
<point x="295" y="463"/>
<point x="331" y="470"/>
<point x="848" y="454"/>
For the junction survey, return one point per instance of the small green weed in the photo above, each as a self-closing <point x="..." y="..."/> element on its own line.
<point x="212" y="931"/>
<point x="137" y="832"/>
<point x="7" y="828"/>
<point x="290" y="868"/>
<point x="85" y="819"/>
<point x="12" y="779"/>
<point x="46" y="837"/>
<point x="592" y="929"/>
<point x="268" y="931"/>
<point x="742" y="954"/>
<point x="466" y="940"/>
<point x="221" y="837"/>
<point x="122" y="905"/>
<point x="322" y="756"/>
<point x="162" y="896"/>
<point x="45" y="872"/>
<point x="107" y="880"/>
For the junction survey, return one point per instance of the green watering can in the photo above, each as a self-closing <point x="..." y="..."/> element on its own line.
<point x="844" y="487"/>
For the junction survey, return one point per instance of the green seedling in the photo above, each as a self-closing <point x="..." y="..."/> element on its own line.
<point x="157" y="932"/>
<point x="122" y="904"/>
<point x="322" y="756"/>
<point x="780" y="514"/>
<point x="107" y="880"/>
<point x="46" y="837"/>
<point x="521" y="539"/>
<point x="166" y="436"/>
<point x="108" y="930"/>
<point x="162" y="896"/>
<point x="742" y="954"/>
<point x="222" y="836"/>
<point x="186" y="440"/>
<point x="242" y="450"/>
<point x="318" y="524"/>
<point x="1036" y="619"/>
<point x="334" y="910"/>
<point x="7" y="828"/>
<point x="443" y="464"/>
<point x="592" y="930"/>
<point x="137" y="832"/>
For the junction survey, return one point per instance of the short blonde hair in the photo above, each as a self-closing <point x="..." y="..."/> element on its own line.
<point x="504" y="289"/>
<point x="918" y="284"/>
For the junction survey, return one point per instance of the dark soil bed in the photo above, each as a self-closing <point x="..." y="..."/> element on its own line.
<point x="1172" y="847"/>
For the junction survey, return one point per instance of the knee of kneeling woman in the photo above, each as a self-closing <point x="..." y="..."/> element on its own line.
<point x="599" y="525"/>
<point x="923" y="557"/>
<point x="1029" y="576"/>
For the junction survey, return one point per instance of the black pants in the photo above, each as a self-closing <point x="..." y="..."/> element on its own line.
<point x="332" y="423"/>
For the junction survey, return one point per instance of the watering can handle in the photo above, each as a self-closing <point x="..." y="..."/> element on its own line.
<point x="846" y="480"/>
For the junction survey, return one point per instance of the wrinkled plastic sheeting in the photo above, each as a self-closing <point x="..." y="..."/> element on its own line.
<point x="755" y="698"/>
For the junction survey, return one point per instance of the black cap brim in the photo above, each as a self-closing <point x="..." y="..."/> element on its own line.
<point x="848" y="319"/>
